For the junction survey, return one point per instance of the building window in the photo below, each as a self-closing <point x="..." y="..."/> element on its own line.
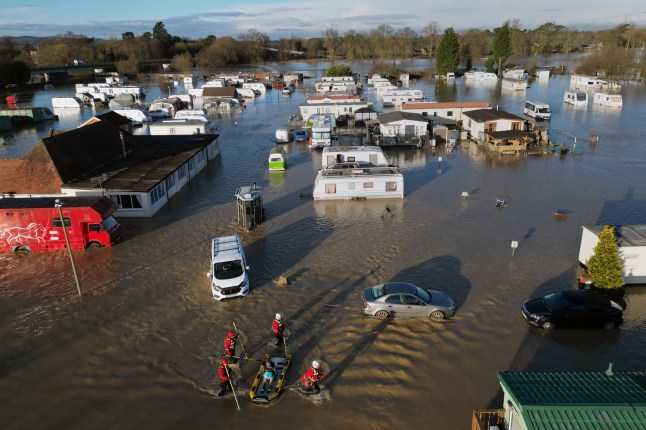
<point x="191" y="164"/>
<point x="157" y="193"/>
<point x="170" y="181"/>
<point x="127" y="201"/>
<point x="368" y="185"/>
<point x="181" y="172"/>
<point x="199" y="157"/>
<point x="171" y="130"/>
<point x="516" y="126"/>
<point x="490" y="127"/>
<point x="391" y="186"/>
<point x="449" y="113"/>
<point x="330" y="188"/>
<point x="352" y="159"/>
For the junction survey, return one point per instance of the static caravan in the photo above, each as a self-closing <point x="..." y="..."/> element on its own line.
<point x="182" y="127"/>
<point x="605" y="99"/>
<point x="632" y="249"/>
<point x="359" y="184"/>
<point x="256" y="86"/>
<point x="137" y="116"/>
<point x="576" y="98"/>
<point x="538" y="110"/>
<point x="277" y="158"/>
<point x="373" y="155"/>
<point x="397" y="97"/>
<point x="514" y="84"/>
<point x="67" y="102"/>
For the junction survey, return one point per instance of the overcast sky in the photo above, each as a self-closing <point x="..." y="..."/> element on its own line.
<point x="304" y="18"/>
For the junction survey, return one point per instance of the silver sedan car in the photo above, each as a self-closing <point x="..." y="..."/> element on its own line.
<point x="403" y="299"/>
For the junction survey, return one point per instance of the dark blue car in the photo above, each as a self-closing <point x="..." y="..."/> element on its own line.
<point x="300" y="135"/>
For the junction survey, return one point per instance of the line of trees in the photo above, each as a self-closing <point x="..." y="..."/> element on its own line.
<point x="382" y="43"/>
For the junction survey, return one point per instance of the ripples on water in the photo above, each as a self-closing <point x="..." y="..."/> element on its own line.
<point x="139" y="348"/>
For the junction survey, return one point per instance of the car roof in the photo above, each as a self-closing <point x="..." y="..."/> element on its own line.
<point x="584" y="296"/>
<point x="400" y="288"/>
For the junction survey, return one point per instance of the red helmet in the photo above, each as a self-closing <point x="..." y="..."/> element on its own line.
<point x="231" y="335"/>
<point x="224" y="362"/>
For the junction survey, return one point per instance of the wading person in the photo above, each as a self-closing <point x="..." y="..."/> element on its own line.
<point x="278" y="327"/>
<point x="312" y="377"/>
<point x="230" y="347"/>
<point x="223" y="374"/>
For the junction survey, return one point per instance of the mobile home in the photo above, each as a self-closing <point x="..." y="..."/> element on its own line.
<point x="576" y="98"/>
<point x="373" y="155"/>
<point x="605" y="99"/>
<point x="538" y="110"/>
<point x="358" y="184"/>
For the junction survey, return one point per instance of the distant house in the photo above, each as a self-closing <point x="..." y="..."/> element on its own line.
<point x="216" y="93"/>
<point x="403" y="124"/>
<point x="339" y="104"/>
<point x="450" y="110"/>
<point x="567" y="400"/>
<point x="483" y="121"/>
<point x="139" y="173"/>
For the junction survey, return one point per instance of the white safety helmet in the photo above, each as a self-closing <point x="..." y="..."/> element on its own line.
<point x="279" y="317"/>
<point x="316" y="364"/>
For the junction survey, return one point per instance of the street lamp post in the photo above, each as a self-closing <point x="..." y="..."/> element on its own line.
<point x="59" y="205"/>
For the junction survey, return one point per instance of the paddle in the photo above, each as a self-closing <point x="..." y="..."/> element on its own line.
<point x="236" y="329"/>
<point x="233" y="389"/>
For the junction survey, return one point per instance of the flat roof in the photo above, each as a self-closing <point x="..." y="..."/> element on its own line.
<point x="45" y="202"/>
<point x="360" y="172"/>
<point x="627" y="235"/>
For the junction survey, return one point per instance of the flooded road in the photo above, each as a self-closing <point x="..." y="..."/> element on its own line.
<point x="138" y="350"/>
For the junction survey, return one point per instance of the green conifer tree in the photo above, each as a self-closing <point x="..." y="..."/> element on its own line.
<point x="447" y="57"/>
<point x="605" y="266"/>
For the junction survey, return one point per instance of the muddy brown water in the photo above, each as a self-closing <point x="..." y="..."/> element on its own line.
<point x="138" y="351"/>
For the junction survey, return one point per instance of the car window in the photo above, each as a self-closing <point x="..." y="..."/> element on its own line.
<point x="395" y="299"/>
<point x="411" y="300"/>
<point x="556" y="301"/>
<point x="378" y="291"/>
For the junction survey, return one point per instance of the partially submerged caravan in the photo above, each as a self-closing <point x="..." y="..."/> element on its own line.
<point x="576" y="97"/>
<point x="359" y="183"/>
<point x="605" y="99"/>
<point x="372" y="155"/>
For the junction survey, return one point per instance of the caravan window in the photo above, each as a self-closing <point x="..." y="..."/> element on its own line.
<point x="391" y="186"/>
<point x="330" y="188"/>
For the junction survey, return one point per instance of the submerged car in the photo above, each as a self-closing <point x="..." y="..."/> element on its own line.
<point x="403" y="299"/>
<point x="301" y="135"/>
<point x="573" y="308"/>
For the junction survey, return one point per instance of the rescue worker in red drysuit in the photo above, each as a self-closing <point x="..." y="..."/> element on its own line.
<point x="311" y="378"/>
<point x="230" y="347"/>
<point x="278" y="327"/>
<point x="225" y="384"/>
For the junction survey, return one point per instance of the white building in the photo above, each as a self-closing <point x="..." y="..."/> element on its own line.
<point x="450" y="110"/>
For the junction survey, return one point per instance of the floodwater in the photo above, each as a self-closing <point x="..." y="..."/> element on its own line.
<point x="138" y="351"/>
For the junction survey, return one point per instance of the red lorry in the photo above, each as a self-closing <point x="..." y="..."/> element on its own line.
<point x="34" y="224"/>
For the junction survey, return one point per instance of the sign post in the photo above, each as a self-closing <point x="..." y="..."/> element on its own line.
<point x="514" y="245"/>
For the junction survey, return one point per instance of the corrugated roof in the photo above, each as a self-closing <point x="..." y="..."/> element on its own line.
<point x="578" y="400"/>
<point x="575" y="388"/>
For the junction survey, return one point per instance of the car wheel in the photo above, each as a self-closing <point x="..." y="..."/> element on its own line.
<point x="548" y="325"/>
<point x="438" y="315"/>
<point x="382" y="314"/>
<point x="609" y="325"/>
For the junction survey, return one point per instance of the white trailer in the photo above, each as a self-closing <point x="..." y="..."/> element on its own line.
<point x="632" y="249"/>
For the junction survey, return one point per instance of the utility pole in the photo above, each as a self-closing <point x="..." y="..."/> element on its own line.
<point x="58" y="204"/>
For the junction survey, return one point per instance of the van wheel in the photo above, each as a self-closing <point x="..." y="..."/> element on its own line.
<point x="94" y="245"/>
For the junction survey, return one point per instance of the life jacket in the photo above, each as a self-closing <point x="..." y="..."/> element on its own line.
<point x="229" y="346"/>
<point x="278" y="327"/>
<point x="222" y="373"/>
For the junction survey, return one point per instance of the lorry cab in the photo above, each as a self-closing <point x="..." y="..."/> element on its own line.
<point x="229" y="269"/>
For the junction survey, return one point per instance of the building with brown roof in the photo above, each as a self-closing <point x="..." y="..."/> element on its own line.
<point x="450" y="110"/>
<point x="139" y="173"/>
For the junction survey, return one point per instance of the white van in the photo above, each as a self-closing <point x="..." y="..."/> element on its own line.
<point x="229" y="269"/>
<point x="538" y="110"/>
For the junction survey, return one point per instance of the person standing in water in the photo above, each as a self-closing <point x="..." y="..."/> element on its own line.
<point x="278" y="327"/>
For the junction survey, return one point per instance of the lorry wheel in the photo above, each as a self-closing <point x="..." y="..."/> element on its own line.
<point x="22" y="250"/>
<point x="94" y="245"/>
